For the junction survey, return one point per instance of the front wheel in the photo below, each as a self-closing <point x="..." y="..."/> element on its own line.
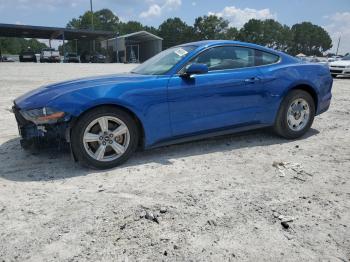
<point x="104" y="138"/>
<point x="334" y="75"/>
<point x="296" y="115"/>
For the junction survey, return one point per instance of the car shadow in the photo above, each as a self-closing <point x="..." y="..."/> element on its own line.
<point x="48" y="164"/>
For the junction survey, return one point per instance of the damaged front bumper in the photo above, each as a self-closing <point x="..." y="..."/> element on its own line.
<point x="41" y="134"/>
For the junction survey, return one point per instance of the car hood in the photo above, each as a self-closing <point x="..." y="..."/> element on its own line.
<point x="42" y="96"/>
<point x="340" y="63"/>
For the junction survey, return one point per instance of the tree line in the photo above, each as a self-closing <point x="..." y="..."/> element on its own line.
<point x="11" y="45"/>
<point x="305" y="37"/>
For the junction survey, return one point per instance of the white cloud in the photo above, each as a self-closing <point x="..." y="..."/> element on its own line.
<point x="172" y="4"/>
<point x="156" y="10"/>
<point x="339" y="26"/>
<point x="153" y="11"/>
<point x="238" y="17"/>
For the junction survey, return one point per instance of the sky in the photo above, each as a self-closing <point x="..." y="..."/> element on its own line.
<point x="333" y="15"/>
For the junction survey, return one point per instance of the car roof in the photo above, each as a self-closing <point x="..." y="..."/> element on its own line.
<point x="208" y="43"/>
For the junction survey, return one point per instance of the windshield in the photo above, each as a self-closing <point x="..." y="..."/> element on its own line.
<point x="346" y="57"/>
<point x="164" y="61"/>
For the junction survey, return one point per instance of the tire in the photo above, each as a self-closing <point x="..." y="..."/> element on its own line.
<point x="290" y="129"/>
<point x="87" y="153"/>
<point x="334" y="75"/>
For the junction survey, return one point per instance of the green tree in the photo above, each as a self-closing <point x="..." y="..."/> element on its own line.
<point x="11" y="45"/>
<point x="232" y="33"/>
<point x="130" y="27"/>
<point x="83" y="22"/>
<point x="174" y="32"/>
<point x="309" y="39"/>
<point x="106" y="20"/>
<point x="269" y="33"/>
<point x="210" y="27"/>
<point x="134" y="26"/>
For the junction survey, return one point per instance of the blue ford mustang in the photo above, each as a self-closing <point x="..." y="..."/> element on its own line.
<point x="187" y="92"/>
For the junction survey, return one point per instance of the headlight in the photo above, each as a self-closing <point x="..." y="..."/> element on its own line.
<point x="45" y="115"/>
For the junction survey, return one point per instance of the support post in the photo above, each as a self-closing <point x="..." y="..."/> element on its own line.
<point x="63" y="46"/>
<point x="107" y="52"/>
<point x="116" y="46"/>
<point x="92" y="25"/>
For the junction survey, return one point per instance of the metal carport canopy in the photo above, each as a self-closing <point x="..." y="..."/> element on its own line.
<point x="141" y="36"/>
<point x="42" y="32"/>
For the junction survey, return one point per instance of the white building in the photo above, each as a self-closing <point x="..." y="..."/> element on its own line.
<point x="133" y="48"/>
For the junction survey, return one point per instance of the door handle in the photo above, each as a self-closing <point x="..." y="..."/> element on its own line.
<point x="252" y="79"/>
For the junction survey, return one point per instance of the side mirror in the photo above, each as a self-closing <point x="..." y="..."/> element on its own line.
<point x="196" y="69"/>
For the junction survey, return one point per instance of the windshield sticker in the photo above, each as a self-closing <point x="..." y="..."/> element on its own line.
<point x="181" y="52"/>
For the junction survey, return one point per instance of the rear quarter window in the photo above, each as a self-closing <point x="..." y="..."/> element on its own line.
<point x="265" y="58"/>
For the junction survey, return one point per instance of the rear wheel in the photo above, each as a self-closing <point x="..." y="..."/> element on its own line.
<point x="104" y="138"/>
<point x="296" y="115"/>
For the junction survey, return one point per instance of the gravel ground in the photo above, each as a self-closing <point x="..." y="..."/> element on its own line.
<point x="247" y="197"/>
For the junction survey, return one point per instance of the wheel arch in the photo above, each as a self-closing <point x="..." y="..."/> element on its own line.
<point x="309" y="89"/>
<point x="300" y="86"/>
<point x="120" y="107"/>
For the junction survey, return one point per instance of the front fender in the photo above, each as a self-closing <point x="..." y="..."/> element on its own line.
<point x="147" y="100"/>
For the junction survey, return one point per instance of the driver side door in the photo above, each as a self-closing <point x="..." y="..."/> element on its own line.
<point x="228" y="96"/>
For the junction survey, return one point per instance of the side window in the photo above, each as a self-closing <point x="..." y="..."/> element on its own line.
<point x="264" y="58"/>
<point x="226" y="57"/>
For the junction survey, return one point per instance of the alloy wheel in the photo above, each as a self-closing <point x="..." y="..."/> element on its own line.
<point x="106" y="138"/>
<point x="298" y="114"/>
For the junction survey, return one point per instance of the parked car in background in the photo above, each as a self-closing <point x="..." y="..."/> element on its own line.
<point x="50" y="55"/>
<point x="313" y="60"/>
<point x="6" y="59"/>
<point x="184" y="93"/>
<point x="27" y="56"/>
<point x="71" y="58"/>
<point x="85" y="57"/>
<point x="97" y="58"/>
<point x="340" y="67"/>
<point x="330" y="60"/>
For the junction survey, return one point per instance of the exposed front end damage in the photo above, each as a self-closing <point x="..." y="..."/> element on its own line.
<point x="40" y="134"/>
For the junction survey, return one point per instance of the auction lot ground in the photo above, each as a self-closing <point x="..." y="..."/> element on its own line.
<point x="220" y="198"/>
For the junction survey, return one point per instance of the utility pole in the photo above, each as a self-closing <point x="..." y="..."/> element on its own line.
<point x="92" y="24"/>
<point x="338" y="45"/>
